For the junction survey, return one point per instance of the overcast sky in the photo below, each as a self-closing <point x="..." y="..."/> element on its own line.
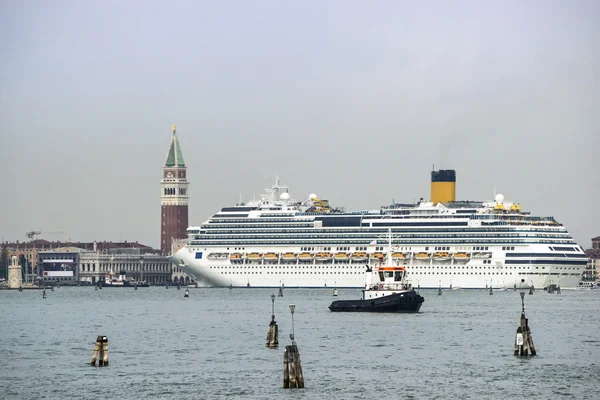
<point x="352" y="100"/>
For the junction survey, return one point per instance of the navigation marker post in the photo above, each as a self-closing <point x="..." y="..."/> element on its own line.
<point x="523" y="340"/>
<point x="292" y="369"/>
<point x="273" y="331"/>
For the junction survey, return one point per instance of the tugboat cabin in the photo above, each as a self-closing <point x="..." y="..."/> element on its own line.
<point x="386" y="280"/>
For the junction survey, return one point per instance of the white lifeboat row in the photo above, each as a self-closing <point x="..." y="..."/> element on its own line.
<point x="357" y="256"/>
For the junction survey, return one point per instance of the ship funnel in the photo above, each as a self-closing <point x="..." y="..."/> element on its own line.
<point x="443" y="186"/>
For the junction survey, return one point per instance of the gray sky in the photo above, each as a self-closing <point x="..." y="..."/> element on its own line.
<point x="352" y="100"/>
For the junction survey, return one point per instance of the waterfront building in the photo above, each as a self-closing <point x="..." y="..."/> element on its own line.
<point x="59" y="264"/>
<point x="174" y="197"/>
<point x="592" y="272"/>
<point x="152" y="268"/>
<point x="29" y="250"/>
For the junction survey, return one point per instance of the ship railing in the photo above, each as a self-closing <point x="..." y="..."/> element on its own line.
<point x="392" y="286"/>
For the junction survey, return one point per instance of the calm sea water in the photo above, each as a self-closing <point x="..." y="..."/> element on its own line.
<point x="212" y="345"/>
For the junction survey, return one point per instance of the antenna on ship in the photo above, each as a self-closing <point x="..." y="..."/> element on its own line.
<point x="389" y="251"/>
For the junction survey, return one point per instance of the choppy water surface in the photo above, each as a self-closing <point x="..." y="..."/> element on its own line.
<point x="212" y="345"/>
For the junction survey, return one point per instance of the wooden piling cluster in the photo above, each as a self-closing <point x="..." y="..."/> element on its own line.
<point x="273" y="334"/>
<point x="292" y="369"/>
<point x="100" y="352"/>
<point x="524" y="340"/>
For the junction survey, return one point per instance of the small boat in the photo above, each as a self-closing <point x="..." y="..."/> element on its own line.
<point x="335" y="292"/>
<point x="461" y="256"/>
<point x="586" y="285"/>
<point x="306" y="257"/>
<point x="398" y="256"/>
<point x="359" y="256"/>
<point x="389" y="291"/>
<point x="341" y="256"/>
<point x="235" y="257"/>
<point x="254" y="256"/>
<point x="323" y="256"/>
<point x="289" y="256"/>
<point x="270" y="257"/>
<point x="481" y="255"/>
<point x="111" y="281"/>
<point x="217" y="256"/>
<point x="378" y="256"/>
<point x="422" y="256"/>
<point x="441" y="256"/>
<point x="386" y="290"/>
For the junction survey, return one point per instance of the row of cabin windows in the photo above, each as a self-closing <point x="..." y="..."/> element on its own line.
<point x="362" y="267"/>
<point x="417" y="273"/>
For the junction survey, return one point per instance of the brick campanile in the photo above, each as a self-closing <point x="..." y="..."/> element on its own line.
<point x="173" y="197"/>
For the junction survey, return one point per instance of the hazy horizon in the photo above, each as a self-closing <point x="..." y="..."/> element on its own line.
<point x="351" y="100"/>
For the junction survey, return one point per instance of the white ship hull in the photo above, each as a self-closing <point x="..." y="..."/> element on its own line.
<point x="464" y="275"/>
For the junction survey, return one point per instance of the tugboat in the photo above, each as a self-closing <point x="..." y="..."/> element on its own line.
<point x="386" y="290"/>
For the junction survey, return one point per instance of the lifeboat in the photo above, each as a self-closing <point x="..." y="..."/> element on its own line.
<point x="359" y="256"/>
<point x="270" y="257"/>
<point x="422" y="256"/>
<point x="441" y="256"/>
<point x="235" y="257"/>
<point x="217" y="256"/>
<point x="481" y="255"/>
<point x="398" y="256"/>
<point x="305" y="257"/>
<point x="378" y="256"/>
<point x="341" y="256"/>
<point x="461" y="256"/>
<point x="323" y="256"/>
<point x="254" y="256"/>
<point x="288" y="256"/>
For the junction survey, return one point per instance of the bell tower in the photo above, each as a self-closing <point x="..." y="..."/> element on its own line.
<point x="173" y="197"/>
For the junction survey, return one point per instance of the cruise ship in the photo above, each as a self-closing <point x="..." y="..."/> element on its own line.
<point x="280" y="242"/>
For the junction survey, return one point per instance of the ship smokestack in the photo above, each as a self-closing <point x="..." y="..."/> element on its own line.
<point x="443" y="186"/>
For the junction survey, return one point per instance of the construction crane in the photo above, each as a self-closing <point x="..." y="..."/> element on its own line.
<point x="32" y="234"/>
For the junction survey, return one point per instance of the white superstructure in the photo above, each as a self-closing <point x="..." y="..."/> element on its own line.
<point x="277" y="241"/>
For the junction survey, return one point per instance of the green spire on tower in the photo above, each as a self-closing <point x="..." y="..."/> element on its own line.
<point x="174" y="156"/>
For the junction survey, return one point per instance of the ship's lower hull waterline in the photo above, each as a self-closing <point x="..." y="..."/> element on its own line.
<point x="313" y="275"/>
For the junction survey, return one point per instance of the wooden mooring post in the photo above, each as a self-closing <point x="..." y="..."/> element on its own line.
<point x="273" y="331"/>
<point x="100" y="352"/>
<point x="524" y="340"/>
<point x="292" y="368"/>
